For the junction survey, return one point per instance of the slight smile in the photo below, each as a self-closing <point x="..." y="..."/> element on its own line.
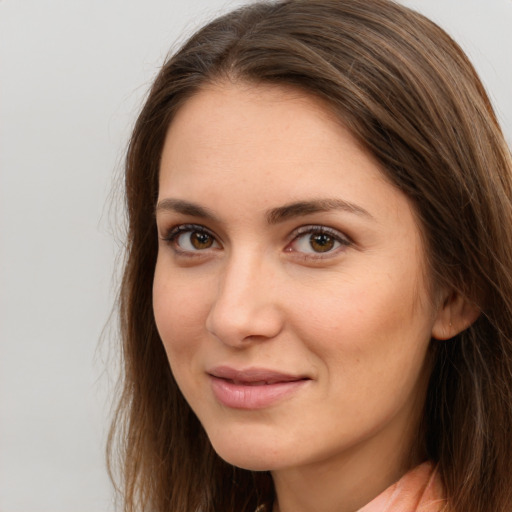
<point x="252" y="388"/>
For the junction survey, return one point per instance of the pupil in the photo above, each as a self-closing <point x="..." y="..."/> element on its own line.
<point x="201" y="240"/>
<point x="321" y="242"/>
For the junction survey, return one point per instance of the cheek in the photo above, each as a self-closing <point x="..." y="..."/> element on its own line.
<point x="180" y="311"/>
<point x="370" y="326"/>
<point x="176" y="317"/>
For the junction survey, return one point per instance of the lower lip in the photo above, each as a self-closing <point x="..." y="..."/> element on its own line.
<point x="240" y="396"/>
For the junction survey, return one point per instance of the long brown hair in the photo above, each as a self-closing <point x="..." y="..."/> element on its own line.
<point x="408" y="92"/>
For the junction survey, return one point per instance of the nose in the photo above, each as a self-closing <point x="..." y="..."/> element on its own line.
<point x="246" y="307"/>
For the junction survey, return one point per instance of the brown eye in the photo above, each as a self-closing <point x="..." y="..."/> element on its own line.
<point x="321" y="242"/>
<point x="318" y="240"/>
<point x="200" y="240"/>
<point x="189" y="239"/>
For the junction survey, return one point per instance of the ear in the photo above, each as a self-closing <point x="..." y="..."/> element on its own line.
<point x="455" y="315"/>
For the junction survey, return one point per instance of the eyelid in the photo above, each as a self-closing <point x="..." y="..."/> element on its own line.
<point x="320" y="228"/>
<point x="338" y="236"/>
<point x="175" y="231"/>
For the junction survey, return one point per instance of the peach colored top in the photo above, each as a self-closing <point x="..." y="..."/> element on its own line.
<point x="419" y="490"/>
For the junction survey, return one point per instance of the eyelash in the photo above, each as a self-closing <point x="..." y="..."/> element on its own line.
<point x="338" y="238"/>
<point x="174" y="233"/>
<point x="311" y="230"/>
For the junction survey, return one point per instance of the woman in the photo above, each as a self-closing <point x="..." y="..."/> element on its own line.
<point x="317" y="294"/>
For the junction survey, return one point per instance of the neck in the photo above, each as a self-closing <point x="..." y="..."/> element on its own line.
<point x="341" y="484"/>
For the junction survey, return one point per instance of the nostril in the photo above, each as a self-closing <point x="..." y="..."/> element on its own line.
<point x="242" y="325"/>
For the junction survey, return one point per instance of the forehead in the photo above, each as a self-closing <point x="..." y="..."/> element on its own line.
<point x="281" y="126"/>
<point x="239" y="135"/>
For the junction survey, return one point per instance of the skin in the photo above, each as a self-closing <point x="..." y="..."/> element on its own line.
<point x="356" y="319"/>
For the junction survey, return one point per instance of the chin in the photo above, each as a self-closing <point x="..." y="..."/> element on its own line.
<point x="248" y="454"/>
<point x="245" y="461"/>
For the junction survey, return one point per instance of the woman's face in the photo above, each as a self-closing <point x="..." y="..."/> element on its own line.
<point x="289" y="289"/>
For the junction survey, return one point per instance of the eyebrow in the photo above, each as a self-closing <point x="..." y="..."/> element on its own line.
<point x="185" y="208"/>
<point x="273" y="216"/>
<point x="301" y="208"/>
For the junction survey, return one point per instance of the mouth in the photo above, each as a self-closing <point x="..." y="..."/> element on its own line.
<point x="253" y="388"/>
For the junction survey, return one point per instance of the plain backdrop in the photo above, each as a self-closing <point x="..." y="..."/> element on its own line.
<point x="72" y="77"/>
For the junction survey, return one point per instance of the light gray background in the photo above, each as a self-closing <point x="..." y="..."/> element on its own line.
<point x="72" y="75"/>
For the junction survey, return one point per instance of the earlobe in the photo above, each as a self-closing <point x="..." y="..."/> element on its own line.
<point x="455" y="315"/>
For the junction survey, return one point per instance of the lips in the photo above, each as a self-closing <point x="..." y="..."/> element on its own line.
<point x="253" y="388"/>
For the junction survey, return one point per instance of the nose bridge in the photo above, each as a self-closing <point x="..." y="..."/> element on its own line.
<point x="245" y="306"/>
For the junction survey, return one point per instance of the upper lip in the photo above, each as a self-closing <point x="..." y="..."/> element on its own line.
<point x="253" y="375"/>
